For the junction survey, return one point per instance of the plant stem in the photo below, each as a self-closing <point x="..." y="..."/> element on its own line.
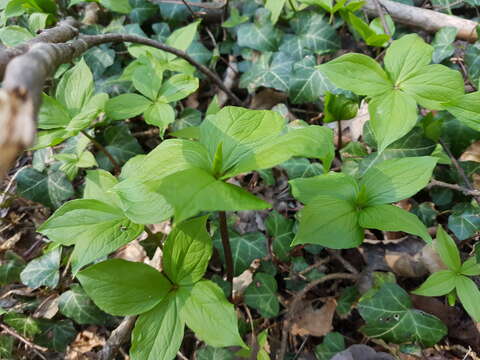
<point x="292" y="6"/>
<point x="227" y="250"/>
<point x="116" y="167"/>
<point x="340" y="134"/>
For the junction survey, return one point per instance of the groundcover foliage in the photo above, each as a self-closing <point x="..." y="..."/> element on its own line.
<point x="205" y="222"/>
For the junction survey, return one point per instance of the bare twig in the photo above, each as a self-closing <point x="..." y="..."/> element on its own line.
<point x="459" y="169"/>
<point x="464" y="190"/>
<point x="381" y="14"/>
<point x="116" y="167"/>
<point x="346" y="264"/>
<point x="118" y="337"/>
<point x="36" y="348"/>
<point x="294" y="305"/>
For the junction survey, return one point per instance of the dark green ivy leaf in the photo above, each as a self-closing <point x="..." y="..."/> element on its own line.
<point x="332" y="343"/>
<point x="76" y="305"/>
<point x="56" y="334"/>
<point x="261" y="295"/>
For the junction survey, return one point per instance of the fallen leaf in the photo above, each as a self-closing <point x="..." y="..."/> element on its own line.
<point x="48" y="308"/>
<point x="133" y="251"/>
<point x="85" y="342"/>
<point x="472" y="153"/>
<point x="404" y="264"/>
<point x="267" y="99"/>
<point x="361" y="352"/>
<point x="242" y="281"/>
<point x="315" y="322"/>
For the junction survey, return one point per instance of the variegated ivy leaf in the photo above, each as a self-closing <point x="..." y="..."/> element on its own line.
<point x="442" y="44"/>
<point x="260" y="35"/>
<point x="271" y="70"/>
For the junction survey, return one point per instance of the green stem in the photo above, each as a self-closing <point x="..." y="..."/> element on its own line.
<point x="227" y="250"/>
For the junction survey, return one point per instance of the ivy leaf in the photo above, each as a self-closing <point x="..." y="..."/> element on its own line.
<point x="24" y="325"/>
<point x="464" y="222"/>
<point x="332" y="343"/>
<point x="439" y="283"/>
<point x="12" y="266"/>
<point x="187" y="252"/>
<point x="397" y="179"/>
<point x="357" y="73"/>
<point x="120" y="143"/>
<point x="272" y="70"/>
<point x="392" y="218"/>
<point x="49" y="189"/>
<point x="400" y="109"/>
<point x="43" y="271"/>
<point x="389" y="315"/>
<point x="262" y="37"/>
<point x="124" y="288"/>
<point x="149" y="340"/>
<point x="208" y="313"/>
<point x="314" y="32"/>
<point x="142" y="11"/>
<point x="94" y="227"/>
<point x="307" y="83"/>
<point x="261" y="295"/>
<point x="56" y="334"/>
<point x="331" y="222"/>
<point x="442" y="44"/>
<point x="281" y="229"/>
<point x="469" y="295"/>
<point x="245" y="249"/>
<point x="301" y="168"/>
<point x="472" y="61"/>
<point x="211" y="353"/>
<point x="76" y="305"/>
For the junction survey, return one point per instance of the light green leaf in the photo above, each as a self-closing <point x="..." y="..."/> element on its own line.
<point x="182" y="38"/>
<point x="208" y="313"/>
<point x="43" y="271"/>
<point x="335" y="184"/>
<point x="338" y="107"/>
<point x="365" y="31"/>
<point x="75" y="88"/>
<point x="159" y="114"/>
<point x="120" y="6"/>
<point x="76" y="305"/>
<point x="206" y="194"/>
<point x="147" y="79"/>
<point x="187" y="251"/>
<point x="52" y="114"/>
<point x="275" y="7"/>
<point x="240" y="131"/>
<point x="38" y="21"/>
<point x="245" y="249"/>
<point x="392" y="116"/>
<point x="298" y="167"/>
<point x="469" y="295"/>
<point x="447" y="249"/>
<point x="397" y="179"/>
<point x="24" y="325"/>
<point x="122" y="287"/>
<point x="330" y="222"/>
<point x="392" y="218"/>
<point x="126" y="106"/>
<point x="95" y="228"/>
<point x="14" y="35"/>
<point x="177" y="87"/>
<point x="90" y="111"/>
<point x="470" y="267"/>
<point x="358" y="73"/>
<point x="261" y="295"/>
<point x="99" y="185"/>
<point x="158" y="333"/>
<point x="442" y="44"/>
<point x="439" y="283"/>
<point x="312" y="142"/>
<point x="405" y="56"/>
<point x="466" y="109"/>
<point x="434" y="85"/>
<point x="389" y="315"/>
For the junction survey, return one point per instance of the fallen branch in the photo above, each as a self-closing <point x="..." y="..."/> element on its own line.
<point x="464" y="190"/>
<point x="64" y="31"/>
<point x="25" y="76"/>
<point x="36" y="348"/>
<point x="425" y="19"/>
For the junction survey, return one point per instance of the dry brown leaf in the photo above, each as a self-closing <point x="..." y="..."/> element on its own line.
<point x="156" y="260"/>
<point x="10" y="242"/>
<point x="404" y="264"/>
<point x="353" y="128"/>
<point x="267" y="98"/>
<point x="472" y="153"/>
<point x="430" y="258"/>
<point x="83" y="344"/>
<point x="242" y="281"/>
<point x="48" y="307"/>
<point x="315" y="322"/>
<point x="133" y="251"/>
